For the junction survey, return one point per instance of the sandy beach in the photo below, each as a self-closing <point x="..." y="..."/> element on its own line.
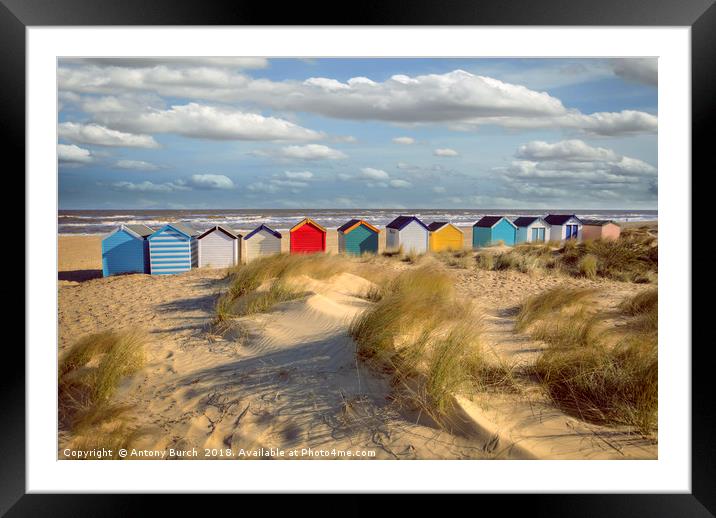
<point x="292" y="380"/>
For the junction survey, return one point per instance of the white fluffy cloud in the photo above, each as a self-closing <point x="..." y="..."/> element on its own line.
<point x="194" y="182"/>
<point x="404" y="140"/>
<point x="73" y="154"/>
<point x="298" y="175"/>
<point x="445" y="152"/>
<point x="208" y="122"/>
<point x="138" y="165"/>
<point x="307" y="152"/>
<point x="458" y="98"/>
<point x="210" y="182"/>
<point x="640" y="70"/>
<point x="374" y="174"/>
<point x="573" y="169"/>
<point x="400" y="184"/>
<point x="97" y="135"/>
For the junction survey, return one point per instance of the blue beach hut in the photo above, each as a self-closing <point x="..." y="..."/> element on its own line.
<point x="126" y="250"/>
<point x="172" y="249"/>
<point x="357" y="237"/>
<point x="491" y="229"/>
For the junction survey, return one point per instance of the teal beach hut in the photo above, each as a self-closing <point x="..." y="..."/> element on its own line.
<point x="489" y="230"/>
<point x="357" y="237"/>
<point x="172" y="249"/>
<point x="126" y="250"/>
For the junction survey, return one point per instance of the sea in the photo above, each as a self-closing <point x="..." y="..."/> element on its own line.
<point x="104" y="221"/>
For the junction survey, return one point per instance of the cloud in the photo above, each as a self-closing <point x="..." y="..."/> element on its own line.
<point x="298" y="175"/>
<point x="139" y="165"/>
<point x="307" y="152"/>
<point x="576" y="171"/>
<point x="439" y="189"/>
<point x="210" y="182"/>
<point x="374" y="174"/>
<point x="73" y="154"/>
<point x="638" y="70"/>
<point x="459" y="98"/>
<point x="208" y="122"/>
<point x="400" y="184"/>
<point x="404" y="140"/>
<point x="148" y="186"/>
<point x="97" y="135"/>
<point x="445" y="152"/>
<point x="194" y="182"/>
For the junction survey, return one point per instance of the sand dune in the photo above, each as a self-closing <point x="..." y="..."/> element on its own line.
<point x="290" y="379"/>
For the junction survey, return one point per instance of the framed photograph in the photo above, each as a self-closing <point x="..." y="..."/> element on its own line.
<point x="431" y="242"/>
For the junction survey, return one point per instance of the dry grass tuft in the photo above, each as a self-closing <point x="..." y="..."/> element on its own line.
<point x="583" y="373"/>
<point x="89" y="375"/>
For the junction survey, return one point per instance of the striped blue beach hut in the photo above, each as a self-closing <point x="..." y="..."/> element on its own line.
<point x="126" y="250"/>
<point x="172" y="249"/>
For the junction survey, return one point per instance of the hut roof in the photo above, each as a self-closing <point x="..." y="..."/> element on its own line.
<point x="559" y="219"/>
<point x="491" y="221"/>
<point x="436" y="225"/>
<point x="354" y="223"/>
<point x="307" y="221"/>
<point x="141" y="230"/>
<point x="263" y="227"/>
<point x="597" y="222"/>
<point x="525" y="221"/>
<point x="184" y="229"/>
<point x="401" y="222"/>
<point x="225" y="230"/>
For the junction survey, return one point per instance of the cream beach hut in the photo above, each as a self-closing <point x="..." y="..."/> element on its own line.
<point x="262" y="241"/>
<point x="219" y="247"/>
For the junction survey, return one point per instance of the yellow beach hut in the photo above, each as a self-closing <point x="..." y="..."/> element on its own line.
<point x="445" y="236"/>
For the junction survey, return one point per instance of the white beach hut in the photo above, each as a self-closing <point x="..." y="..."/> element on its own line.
<point x="531" y="229"/>
<point x="564" y="227"/>
<point x="408" y="233"/>
<point x="219" y="247"/>
<point x="262" y="241"/>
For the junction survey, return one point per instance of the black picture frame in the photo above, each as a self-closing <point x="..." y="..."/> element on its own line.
<point x="700" y="15"/>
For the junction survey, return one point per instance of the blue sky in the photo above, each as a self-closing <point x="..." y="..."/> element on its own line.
<point x="342" y="133"/>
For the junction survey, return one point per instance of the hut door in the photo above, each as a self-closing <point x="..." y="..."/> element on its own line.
<point x="537" y="234"/>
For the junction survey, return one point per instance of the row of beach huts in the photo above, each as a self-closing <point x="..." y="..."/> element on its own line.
<point x="177" y="248"/>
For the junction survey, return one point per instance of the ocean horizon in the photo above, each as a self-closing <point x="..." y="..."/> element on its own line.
<point x="105" y="220"/>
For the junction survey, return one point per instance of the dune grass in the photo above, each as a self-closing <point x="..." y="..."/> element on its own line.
<point x="241" y="298"/>
<point x="89" y="375"/>
<point x="631" y="258"/>
<point x="455" y="258"/>
<point x="550" y="301"/>
<point x="599" y="376"/>
<point x="427" y="339"/>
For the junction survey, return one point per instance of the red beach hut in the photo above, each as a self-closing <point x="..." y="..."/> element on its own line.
<point x="308" y="237"/>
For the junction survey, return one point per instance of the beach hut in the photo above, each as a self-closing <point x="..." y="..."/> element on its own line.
<point x="445" y="236"/>
<point x="307" y="237"/>
<point x="172" y="249"/>
<point x="358" y="237"/>
<point x="564" y="226"/>
<point x="218" y="247"/>
<point x="262" y="241"/>
<point x="600" y="229"/>
<point x="531" y="229"/>
<point x="126" y="250"/>
<point x="490" y="230"/>
<point x="409" y="233"/>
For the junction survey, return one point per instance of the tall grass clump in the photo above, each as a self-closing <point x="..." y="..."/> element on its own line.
<point x="550" y="301"/>
<point x="423" y="335"/>
<point x="588" y="266"/>
<point x="241" y="297"/>
<point x="90" y="373"/>
<point x="585" y="373"/>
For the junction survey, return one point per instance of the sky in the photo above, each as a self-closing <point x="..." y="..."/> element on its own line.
<point x="232" y="133"/>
